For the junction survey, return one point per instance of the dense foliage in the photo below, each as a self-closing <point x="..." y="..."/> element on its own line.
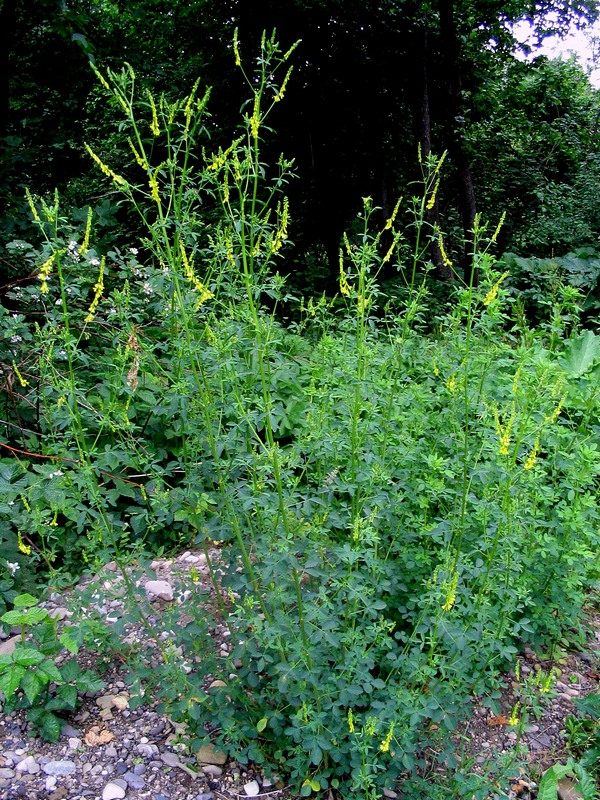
<point x="401" y="496"/>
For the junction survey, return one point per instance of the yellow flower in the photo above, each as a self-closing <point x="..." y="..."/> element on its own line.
<point x="45" y="271"/>
<point x="498" y="227"/>
<point x="255" y="118"/>
<point x="98" y="289"/>
<point x="493" y="292"/>
<point x="532" y="457"/>
<point x="350" y="721"/>
<point x="385" y="745"/>
<point x="281" y="91"/>
<point x="432" y="199"/>
<point x="236" y="49"/>
<point x="106" y="170"/>
<point x="88" y="228"/>
<point x="514" y="718"/>
<point x="154" y="124"/>
<point x="451" y="592"/>
<point x="443" y="253"/>
<point x="344" y="285"/>
<point x="141" y="161"/>
<point x="392" y="219"/>
<point x="32" y="207"/>
<point x="23" y="548"/>
<point x="20" y="378"/>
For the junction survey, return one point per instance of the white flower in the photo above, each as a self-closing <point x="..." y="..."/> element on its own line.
<point x="57" y="474"/>
<point x="72" y="245"/>
<point x="95" y="262"/>
<point x="16" y="338"/>
<point x="147" y="288"/>
<point x="12" y="566"/>
<point x="134" y="251"/>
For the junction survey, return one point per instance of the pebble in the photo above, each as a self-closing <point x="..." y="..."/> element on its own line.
<point x="208" y="755"/>
<point x="6" y="773"/>
<point x="252" y="788"/>
<point x="212" y="769"/>
<point x="29" y="765"/>
<point x="135" y="782"/>
<point x="59" y="768"/>
<point x="205" y="796"/>
<point x="113" y="791"/>
<point x="147" y="750"/>
<point x="161" y="589"/>
<point x="51" y="782"/>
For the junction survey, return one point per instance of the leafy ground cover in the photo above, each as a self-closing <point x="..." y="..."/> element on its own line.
<point x="396" y="489"/>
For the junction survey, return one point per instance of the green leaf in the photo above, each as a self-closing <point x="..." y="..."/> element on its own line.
<point x="25" y="601"/>
<point x="582" y="354"/>
<point x="88" y="682"/>
<point x="70" y="670"/>
<point x="50" y="727"/>
<point x="28" y="616"/>
<point x="67" y="640"/>
<point x="11" y="680"/>
<point x="261" y="724"/>
<point x="32" y="684"/>
<point x="52" y="672"/>
<point x="27" y="656"/>
<point x="548" y="788"/>
<point x="306" y="789"/>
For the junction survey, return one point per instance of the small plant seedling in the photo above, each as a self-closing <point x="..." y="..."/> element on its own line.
<point x="30" y="677"/>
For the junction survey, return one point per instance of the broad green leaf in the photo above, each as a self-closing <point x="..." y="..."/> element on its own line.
<point x="88" y="682"/>
<point x="25" y="601"/>
<point x="64" y="698"/>
<point x="67" y="640"/>
<point x="32" y="684"/>
<point x="50" y="669"/>
<point x="26" y="616"/>
<point x="70" y="670"/>
<point x="261" y="724"/>
<point x="548" y="788"/>
<point x="27" y="656"/>
<point x="11" y="680"/>
<point x="582" y="354"/>
<point x="51" y="727"/>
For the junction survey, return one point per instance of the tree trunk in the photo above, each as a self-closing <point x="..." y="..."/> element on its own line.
<point x="455" y="130"/>
<point x="443" y="270"/>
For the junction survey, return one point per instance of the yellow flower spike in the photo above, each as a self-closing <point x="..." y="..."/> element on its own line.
<point x="350" y="721"/>
<point x="419" y="153"/>
<point x="255" y="119"/>
<point x="432" y="199"/>
<point x="153" y="184"/>
<point x="505" y="433"/>
<point x="344" y="285"/>
<point x="518" y="670"/>
<point x="106" y="170"/>
<point x="45" y="271"/>
<point x="101" y="77"/>
<point x="514" y="717"/>
<point x="443" y="253"/>
<point x="493" y="292"/>
<point x="451" y="592"/>
<point x="88" y="229"/>
<point x="98" y="289"/>
<point x="385" y="745"/>
<point x="515" y="383"/>
<point x="23" y="548"/>
<point x="498" y="227"/>
<point x="281" y="234"/>
<point x="451" y="384"/>
<point x="291" y="50"/>
<point x="20" y="378"/>
<point x="552" y="418"/>
<point x="32" y="207"/>
<point x="392" y="219"/>
<point x="281" y="91"/>
<point x="140" y="161"/>
<point x="236" y="49"/>
<point x="441" y="160"/>
<point x="204" y="293"/>
<point x="391" y="249"/>
<point x="531" y="459"/>
<point x="370" y="725"/>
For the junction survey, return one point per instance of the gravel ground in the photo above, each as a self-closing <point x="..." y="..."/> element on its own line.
<point x="109" y="750"/>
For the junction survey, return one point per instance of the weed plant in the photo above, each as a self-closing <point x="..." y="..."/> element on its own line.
<point x="395" y="511"/>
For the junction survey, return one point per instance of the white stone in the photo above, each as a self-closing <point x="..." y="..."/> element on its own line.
<point x="28" y="765"/>
<point x="161" y="589"/>
<point x="112" y="791"/>
<point x="252" y="789"/>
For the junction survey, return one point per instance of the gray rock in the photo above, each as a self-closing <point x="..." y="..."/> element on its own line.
<point x="212" y="769"/>
<point x="8" y="647"/>
<point x="113" y="791"/>
<point x="135" y="782"/>
<point x="171" y="759"/>
<point x="111" y="751"/>
<point x="59" y="768"/>
<point x="139" y="769"/>
<point x="208" y="755"/>
<point x="147" y="750"/>
<point x="6" y="774"/>
<point x="28" y="765"/>
<point x="161" y="589"/>
<point x="51" y="782"/>
<point x="205" y="796"/>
